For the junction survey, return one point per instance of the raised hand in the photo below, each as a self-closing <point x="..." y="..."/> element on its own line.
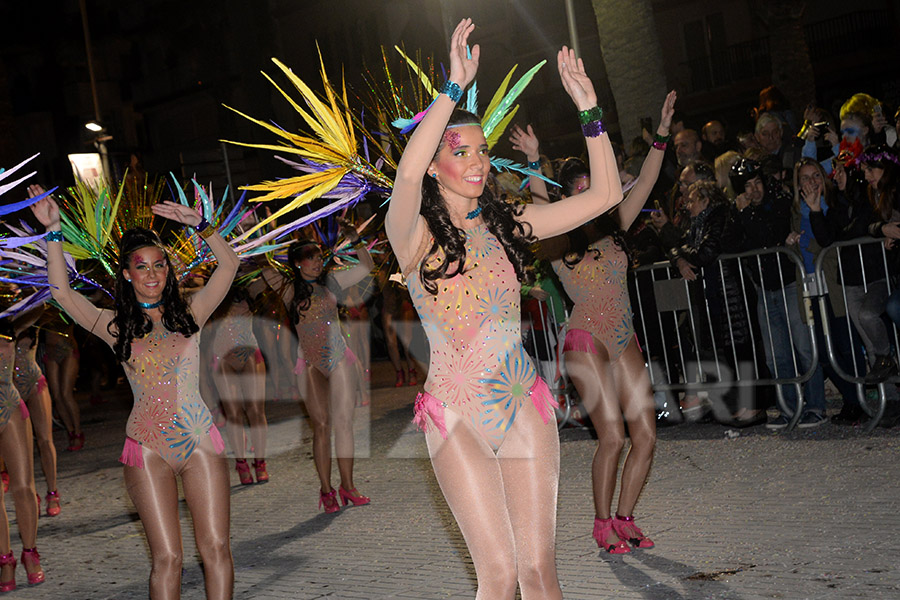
<point x="348" y="230"/>
<point x="575" y="81"/>
<point x="463" y="68"/>
<point x="45" y="211"/>
<point x="525" y="141"/>
<point x="177" y="212"/>
<point x="812" y="195"/>
<point x="665" y="115"/>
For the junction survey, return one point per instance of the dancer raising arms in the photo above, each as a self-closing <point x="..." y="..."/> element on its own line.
<point x="325" y="372"/>
<point x="154" y="331"/>
<point x="601" y="352"/>
<point x="488" y="418"/>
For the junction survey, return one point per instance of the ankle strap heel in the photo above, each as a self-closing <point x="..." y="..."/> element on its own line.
<point x="31" y="559"/>
<point x="7" y="560"/>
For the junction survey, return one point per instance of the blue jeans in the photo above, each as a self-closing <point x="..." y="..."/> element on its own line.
<point x="784" y="322"/>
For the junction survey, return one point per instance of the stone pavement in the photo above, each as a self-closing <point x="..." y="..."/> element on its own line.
<point x="800" y="515"/>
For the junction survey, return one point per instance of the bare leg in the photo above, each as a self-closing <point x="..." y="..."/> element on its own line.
<point x="229" y="386"/>
<point x="68" y="374"/>
<point x="342" y="407"/>
<point x="472" y="482"/>
<point x="316" y="398"/>
<point x="16" y="447"/>
<point x="253" y="386"/>
<point x="205" y="482"/>
<point x="52" y="372"/>
<point x="154" y="492"/>
<point x="390" y="335"/>
<point x="39" y="405"/>
<point x="636" y="400"/>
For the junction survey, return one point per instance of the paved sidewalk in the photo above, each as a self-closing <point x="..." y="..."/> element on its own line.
<point x="800" y="515"/>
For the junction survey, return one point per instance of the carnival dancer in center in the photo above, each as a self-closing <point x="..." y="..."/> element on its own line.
<point x="488" y="417"/>
<point x="154" y="331"/>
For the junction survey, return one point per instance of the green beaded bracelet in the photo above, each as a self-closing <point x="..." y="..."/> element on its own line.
<point x="664" y="139"/>
<point x="589" y="115"/>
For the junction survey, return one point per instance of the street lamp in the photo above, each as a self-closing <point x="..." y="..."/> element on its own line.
<point x="94" y="126"/>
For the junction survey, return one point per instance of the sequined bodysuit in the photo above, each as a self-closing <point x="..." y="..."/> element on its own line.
<point x="9" y="395"/>
<point x="169" y="416"/>
<point x="319" y="331"/>
<point x="28" y="377"/>
<point x="479" y="368"/>
<point x="598" y="285"/>
<point x="234" y="343"/>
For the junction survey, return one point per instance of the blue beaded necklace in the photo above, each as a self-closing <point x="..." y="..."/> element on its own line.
<point x="473" y="213"/>
<point x="150" y="304"/>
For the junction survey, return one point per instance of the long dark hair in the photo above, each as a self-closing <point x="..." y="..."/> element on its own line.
<point x="130" y="320"/>
<point x="499" y="217"/>
<point x="885" y="197"/>
<point x="603" y="226"/>
<point x="302" y="288"/>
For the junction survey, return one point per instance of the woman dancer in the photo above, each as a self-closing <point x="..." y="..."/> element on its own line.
<point x="488" y="418"/>
<point x="325" y="369"/>
<point x="18" y="452"/>
<point x="170" y="432"/>
<point x="601" y="352"/>
<point x="32" y="387"/>
<point x="240" y="375"/>
<point x="61" y="368"/>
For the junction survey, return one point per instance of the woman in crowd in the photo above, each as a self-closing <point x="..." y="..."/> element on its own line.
<point x="488" y="418"/>
<point x="17" y="449"/>
<point x="61" y="369"/>
<point x="32" y="387"/>
<point x="239" y="373"/>
<point x="154" y="332"/>
<point x="601" y="351"/>
<point x="325" y="369"/>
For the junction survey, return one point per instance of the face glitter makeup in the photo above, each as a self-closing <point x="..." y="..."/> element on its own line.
<point x="451" y="138"/>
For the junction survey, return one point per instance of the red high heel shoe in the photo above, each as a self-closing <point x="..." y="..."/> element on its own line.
<point x="31" y="558"/>
<point x="53" y="507"/>
<point x="329" y="501"/>
<point x="413" y="377"/>
<point x="347" y="497"/>
<point x="262" y="475"/>
<point x="243" y="470"/>
<point x="7" y="560"/>
<point x="602" y="529"/>
<point x="401" y="379"/>
<point x="627" y="530"/>
<point x="76" y="442"/>
<point x="4" y="476"/>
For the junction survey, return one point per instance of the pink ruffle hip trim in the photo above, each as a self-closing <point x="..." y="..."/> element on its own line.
<point x="579" y="340"/>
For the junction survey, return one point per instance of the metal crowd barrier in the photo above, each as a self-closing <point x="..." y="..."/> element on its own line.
<point x="872" y="272"/>
<point x="675" y="326"/>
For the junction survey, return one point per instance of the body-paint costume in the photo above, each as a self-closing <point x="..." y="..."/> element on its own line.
<point x="28" y="379"/>
<point x="10" y="400"/>
<point x="598" y="286"/>
<point x="169" y="416"/>
<point x="59" y="346"/>
<point x="322" y="344"/>
<point x="479" y="368"/>
<point x="234" y="343"/>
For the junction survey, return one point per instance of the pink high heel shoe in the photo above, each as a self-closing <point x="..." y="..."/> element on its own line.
<point x="262" y="475"/>
<point x="329" y="501"/>
<point x="243" y="471"/>
<point x="31" y="558"/>
<point x="602" y="529"/>
<point x="347" y="497"/>
<point x="6" y="560"/>
<point x="53" y="507"/>
<point x="627" y="530"/>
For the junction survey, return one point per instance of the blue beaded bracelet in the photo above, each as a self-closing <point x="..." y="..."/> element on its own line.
<point x="534" y="165"/>
<point x="54" y="236"/>
<point x="452" y="90"/>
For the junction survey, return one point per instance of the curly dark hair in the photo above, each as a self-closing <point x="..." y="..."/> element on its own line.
<point x="130" y="320"/>
<point x="499" y="217"/>
<point x="302" y="288"/>
<point x="603" y="226"/>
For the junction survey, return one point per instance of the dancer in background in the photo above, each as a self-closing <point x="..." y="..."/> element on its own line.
<point x="154" y="332"/>
<point x="61" y="369"/>
<point x="324" y="365"/>
<point x="488" y="418"/>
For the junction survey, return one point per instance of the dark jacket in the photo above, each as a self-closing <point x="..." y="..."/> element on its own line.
<point x="767" y="225"/>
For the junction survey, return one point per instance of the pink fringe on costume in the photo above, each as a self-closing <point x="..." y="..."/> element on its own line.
<point x="426" y="404"/>
<point x="131" y="454"/>
<point x="543" y="399"/>
<point x="300" y="366"/>
<point x="24" y="409"/>
<point x="214" y="364"/>
<point x="41" y="385"/>
<point x="579" y="340"/>
<point x="258" y="356"/>
<point x="217" y="441"/>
